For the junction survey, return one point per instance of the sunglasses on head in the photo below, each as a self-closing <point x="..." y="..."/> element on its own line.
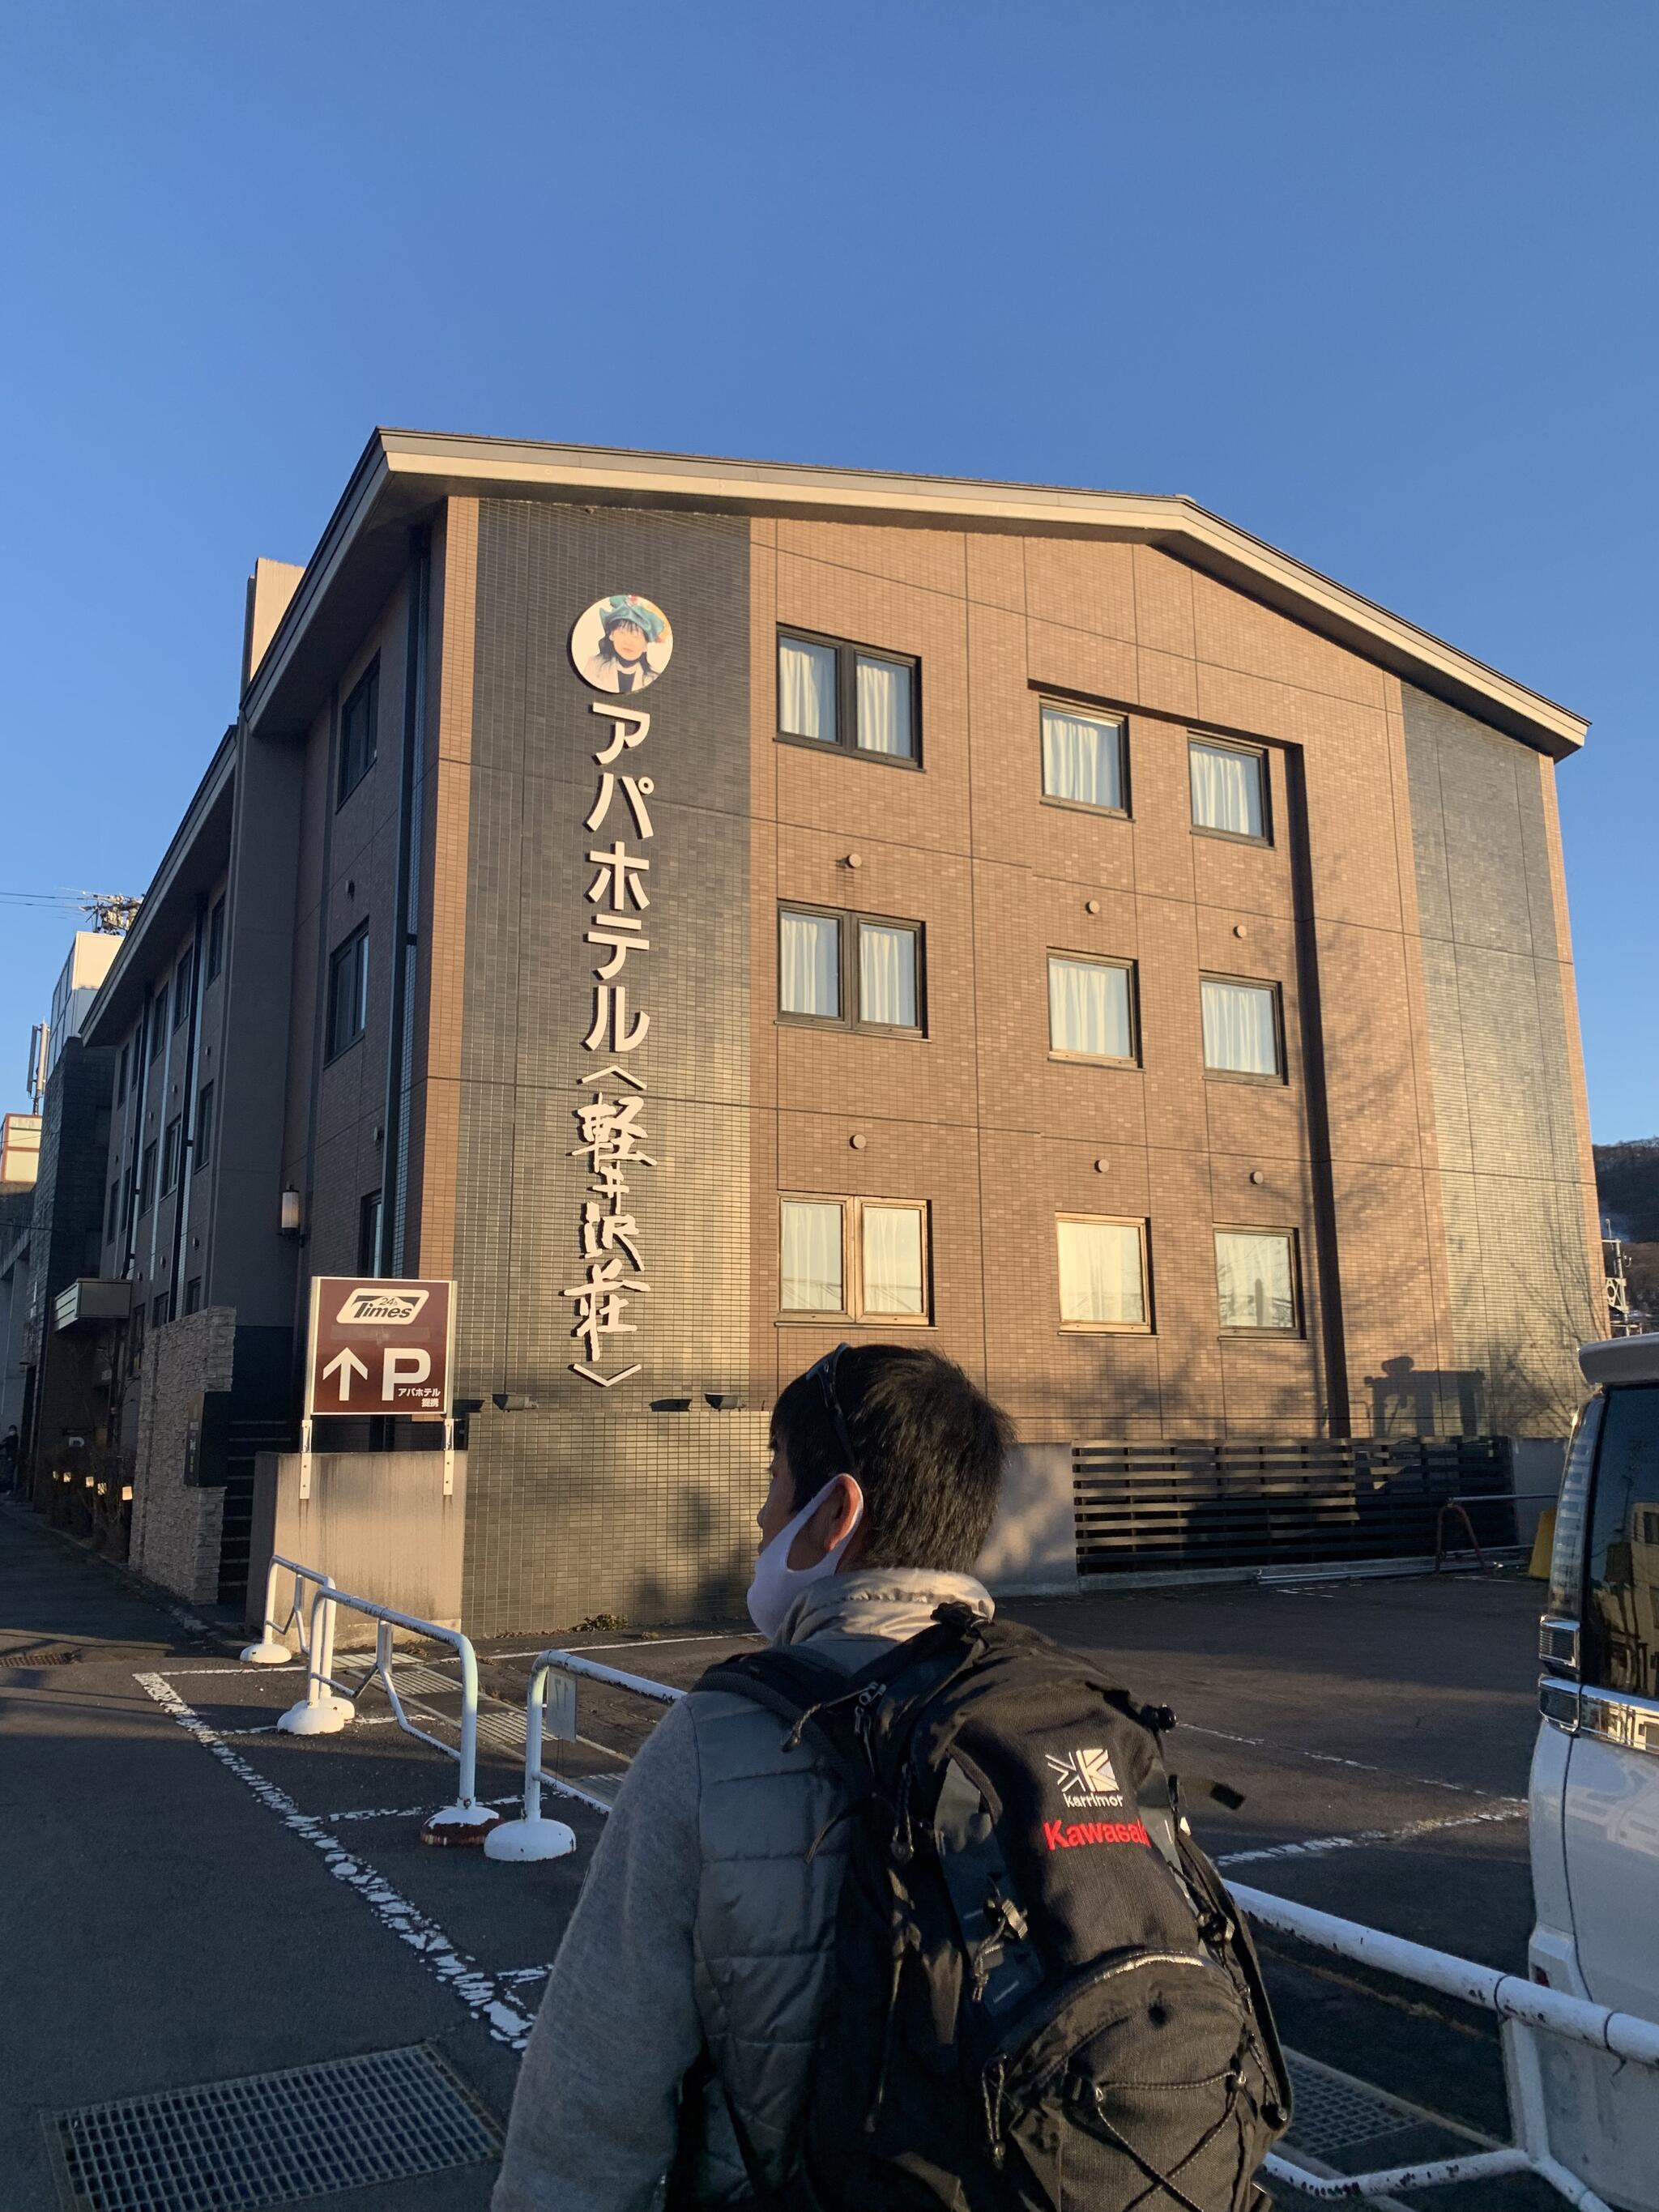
<point x="825" y="1369"/>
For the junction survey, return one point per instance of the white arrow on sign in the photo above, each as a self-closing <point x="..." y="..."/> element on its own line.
<point x="410" y="1366"/>
<point x="342" y="1364"/>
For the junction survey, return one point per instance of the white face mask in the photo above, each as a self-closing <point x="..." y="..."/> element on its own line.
<point x="777" y="1584"/>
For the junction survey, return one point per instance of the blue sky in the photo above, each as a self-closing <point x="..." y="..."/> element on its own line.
<point x="1376" y="283"/>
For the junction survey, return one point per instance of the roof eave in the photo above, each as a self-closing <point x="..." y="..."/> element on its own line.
<point x="404" y="474"/>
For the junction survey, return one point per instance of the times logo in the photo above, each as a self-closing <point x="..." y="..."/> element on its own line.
<point x="393" y="1309"/>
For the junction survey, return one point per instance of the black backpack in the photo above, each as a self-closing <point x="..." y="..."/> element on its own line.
<point x="1044" y="1999"/>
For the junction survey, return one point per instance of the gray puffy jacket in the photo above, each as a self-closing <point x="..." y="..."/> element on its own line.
<point x="704" y="1924"/>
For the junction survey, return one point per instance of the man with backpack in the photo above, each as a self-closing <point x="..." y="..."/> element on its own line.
<point x="901" y="1912"/>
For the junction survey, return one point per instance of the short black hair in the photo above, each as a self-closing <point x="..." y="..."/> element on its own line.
<point x="930" y="1448"/>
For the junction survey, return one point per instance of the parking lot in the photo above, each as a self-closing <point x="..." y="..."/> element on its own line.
<point x="192" y="1896"/>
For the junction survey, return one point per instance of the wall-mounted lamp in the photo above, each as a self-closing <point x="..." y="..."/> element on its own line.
<point x="290" y="1219"/>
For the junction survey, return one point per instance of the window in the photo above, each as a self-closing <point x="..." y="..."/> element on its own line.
<point x="1255" y="1280"/>
<point x="1082" y="759"/>
<point x="832" y="694"/>
<point x="368" y="1234"/>
<point x="1090" y="1008"/>
<point x="216" y="959"/>
<point x="347" y="992"/>
<point x="147" y="1177"/>
<point x="181" y="983"/>
<point x="855" y="969"/>
<point x="121" y="1073"/>
<point x="1621" y="1597"/>
<point x="1242" y="1028"/>
<point x="201" y="1150"/>
<point x="161" y="1311"/>
<point x="158" y="1023"/>
<point x="1229" y="793"/>
<point x="193" y="1294"/>
<point x="855" y="1259"/>
<point x="359" y="739"/>
<point x="1103" y="1274"/>
<point x="112" y="1211"/>
<point x="172" y="1147"/>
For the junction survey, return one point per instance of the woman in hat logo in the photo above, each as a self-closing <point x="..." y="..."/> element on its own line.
<point x="621" y="643"/>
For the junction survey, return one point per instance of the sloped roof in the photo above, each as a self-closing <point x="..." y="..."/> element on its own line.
<point x="404" y="473"/>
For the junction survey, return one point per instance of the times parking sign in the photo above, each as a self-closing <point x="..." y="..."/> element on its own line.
<point x="379" y="1346"/>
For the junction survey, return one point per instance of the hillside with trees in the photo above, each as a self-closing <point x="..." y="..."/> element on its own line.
<point x="1627" y="1183"/>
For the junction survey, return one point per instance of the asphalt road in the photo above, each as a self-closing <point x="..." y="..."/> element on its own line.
<point x="190" y="1896"/>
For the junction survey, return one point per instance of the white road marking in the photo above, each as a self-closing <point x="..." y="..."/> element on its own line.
<point x="248" y="1673"/>
<point x="407" y="1813"/>
<point x="524" y="1974"/>
<point x="1318" y="1847"/>
<point x="633" y="1643"/>
<point x="1360" y="1765"/>
<point x="481" y="1993"/>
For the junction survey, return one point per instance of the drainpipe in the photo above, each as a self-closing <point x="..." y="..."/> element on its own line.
<point x="406" y="920"/>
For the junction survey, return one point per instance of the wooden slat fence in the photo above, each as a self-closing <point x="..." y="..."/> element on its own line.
<point x="1185" y="1503"/>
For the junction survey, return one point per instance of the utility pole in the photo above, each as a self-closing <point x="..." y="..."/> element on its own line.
<point x="112" y="913"/>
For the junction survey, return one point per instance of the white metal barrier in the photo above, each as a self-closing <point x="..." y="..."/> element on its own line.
<point x="330" y="1704"/>
<point x="1527" y="2011"/>
<point x="535" y="1836"/>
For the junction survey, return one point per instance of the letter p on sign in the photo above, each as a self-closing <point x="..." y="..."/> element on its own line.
<point x="410" y="1365"/>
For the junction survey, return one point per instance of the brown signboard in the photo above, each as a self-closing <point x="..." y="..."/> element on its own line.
<point x="379" y="1346"/>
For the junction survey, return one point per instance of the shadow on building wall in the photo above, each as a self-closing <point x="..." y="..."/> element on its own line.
<point x="1409" y="1400"/>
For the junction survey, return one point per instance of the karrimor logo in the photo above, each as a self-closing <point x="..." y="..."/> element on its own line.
<point x="1086" y="1777"/>
<point x="394" y="1307"/>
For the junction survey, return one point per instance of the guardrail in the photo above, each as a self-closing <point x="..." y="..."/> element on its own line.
<point x="329" y="1703"/>
<point x="535" y="1836"/>
<point x="1526" y="2010"/>
<point x="1460" y="1507"/>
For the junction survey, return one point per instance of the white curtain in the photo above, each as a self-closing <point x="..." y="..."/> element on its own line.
<point x="809" y="964"/>
<point x="883" y="708"/>
<point x="1255" y="1283"/>
<point x="810" y="1261"/>
<point x="1240" y="1034"/>
<point x="892" y="1259"/>
<point x="1081" y="759"/>
<point x="807" y="688"/>
<point x="887" y="976"/>
<point x="1100" y="1275"/>
<point x="1226" y="790"/>
<point x="1088" y="1008"/>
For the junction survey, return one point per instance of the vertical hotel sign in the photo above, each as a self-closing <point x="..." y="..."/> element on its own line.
<point x="620" y="645"/>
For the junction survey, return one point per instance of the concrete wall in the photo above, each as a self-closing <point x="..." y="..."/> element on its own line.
<point x="177" y="1521"/>
<point x="378" y="1522"/>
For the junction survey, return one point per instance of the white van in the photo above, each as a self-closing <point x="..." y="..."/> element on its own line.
<point x="1595" y="1804"/>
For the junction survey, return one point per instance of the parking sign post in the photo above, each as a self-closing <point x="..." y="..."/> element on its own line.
<point x="379" y="1345"/>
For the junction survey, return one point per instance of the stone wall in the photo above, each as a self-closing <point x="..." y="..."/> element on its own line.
<point x="176" y="1521"/>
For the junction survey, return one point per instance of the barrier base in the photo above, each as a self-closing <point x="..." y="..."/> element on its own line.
<point x="326" y="1717"/>
<point x="524" y="1841"/>
<point x="461" y="1826"/>
<point x="264" y="1653"/>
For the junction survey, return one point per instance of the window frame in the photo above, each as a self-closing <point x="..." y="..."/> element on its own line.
<point x="160" y="1309"/>
<point x="201" y="1141"/>
<point x="1271" y="984"/>
<point x="853" y="1309"/>
<point x="158" y="1026"/>
<point x="149" y="1161"/>
<point x="1140" y="1222"/>
<point x="173" y="1154"/>
<point x="1084" y="710"/>
<point x="1299" y="1330"/>
<point x="369" y="682"/>
<point x="369" y="1265"/>
<point x="1257" y="753"/>
<point x="193" y="1294"/>
<point x="183" y="986"/>
<point x="121" y="1073"/>
<point x="848" y="969"/>
<point x="355" y="941"/>
<point x="215" y="943"/>
<point x="112" y="1212"/>
<point x="849" y="652"/>
<point x="1064" y="1053"/>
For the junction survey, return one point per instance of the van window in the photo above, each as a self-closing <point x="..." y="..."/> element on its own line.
<point x="1621" y="1608"/>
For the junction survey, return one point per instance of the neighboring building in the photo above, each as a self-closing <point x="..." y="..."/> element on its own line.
<point x="1071" y="933"/>
<point x="91" y="957"/>
<point x="16" y="1206"/>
